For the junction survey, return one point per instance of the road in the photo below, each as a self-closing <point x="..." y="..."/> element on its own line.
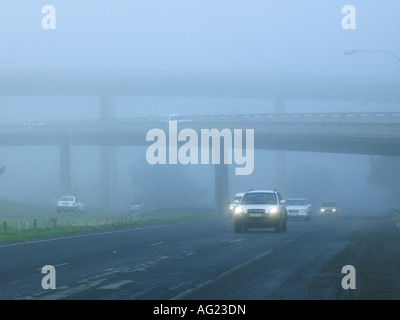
<point x="207" y="260"/>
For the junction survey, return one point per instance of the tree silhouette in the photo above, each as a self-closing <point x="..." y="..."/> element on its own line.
<point x="385" y="174"/>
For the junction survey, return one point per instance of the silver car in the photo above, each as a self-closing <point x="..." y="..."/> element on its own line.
<point x="69" y="204"/>
<point x="235" y="201"/>
<point x="298" y="208"/>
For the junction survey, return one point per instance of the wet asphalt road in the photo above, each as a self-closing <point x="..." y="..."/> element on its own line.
<point x="206" y="260"/>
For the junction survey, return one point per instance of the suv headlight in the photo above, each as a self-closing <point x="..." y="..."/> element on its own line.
<point x="238" y="210"/>
<point x="322" y="210"/>
<point x="273" y="210"/>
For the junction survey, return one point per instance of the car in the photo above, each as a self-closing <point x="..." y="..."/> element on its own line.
<point x="329" y="209"/>
<point x="34" y="122"/>
<point x="260" y="209"/>
<point x="70" y="203"/>
<point x="298" y="208"/>
<point x="135" y="206"/>
<point x="175" y="117"/>
<point x="235" y="201"/>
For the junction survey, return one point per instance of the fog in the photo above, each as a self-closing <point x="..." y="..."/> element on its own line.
<point x="274" y="38"/>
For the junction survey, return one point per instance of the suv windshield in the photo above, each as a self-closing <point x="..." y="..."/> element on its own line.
<point x="292" y="202"/>
<point x="259" y="198"/>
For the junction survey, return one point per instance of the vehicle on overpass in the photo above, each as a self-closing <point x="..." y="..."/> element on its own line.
<point x="175" y="117"/>
<point x="329" y="209"/>
<point x="136" y="206"/>
<point x="70" y="204"/>
<point x="34" y="122"/>
<point x="235" y="201"/>
<point x="298" y="208"/>
<point x="261" y="209"/>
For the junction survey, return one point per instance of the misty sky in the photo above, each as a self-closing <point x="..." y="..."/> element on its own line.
<point x="286" y="36"/>
<point x="269" y="37"/>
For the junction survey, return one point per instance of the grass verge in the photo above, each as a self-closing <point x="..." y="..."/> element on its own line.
<point x="16" y="224"/>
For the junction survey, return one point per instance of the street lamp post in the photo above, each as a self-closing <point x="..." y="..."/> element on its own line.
<point x="354" y="51"/>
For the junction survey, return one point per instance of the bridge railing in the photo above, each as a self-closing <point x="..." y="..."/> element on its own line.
<point x="320" y="117"/>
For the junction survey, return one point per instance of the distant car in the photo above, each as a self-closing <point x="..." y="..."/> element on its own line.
<point x="135" y="206"/>
<point x="329" y="209"/>
<point x="175" y="117"/>
<point x="70" y="203"/>
<point x="298" y="208"/>
<point x="33" y="122"/>
<point x="261" y="209"/>
<point x="235" y="201"/>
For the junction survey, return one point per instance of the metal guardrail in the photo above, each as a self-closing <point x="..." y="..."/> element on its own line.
<point x="314" y="116"/>
<point x="396" y="212"/>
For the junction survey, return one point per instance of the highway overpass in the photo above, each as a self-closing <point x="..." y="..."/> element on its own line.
<point x="351" y="133"/>
<point x="339" y="133"/>
<point x="355" y="133"/>
<point x="42" y="82"/>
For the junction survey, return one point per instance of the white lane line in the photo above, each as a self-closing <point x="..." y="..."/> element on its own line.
<point x="221" y="276"/>
<point x="56" y="265"/>
<point x="155" y="244"/>
<point x="61" y="294"/>
<point x="115" y="285"/>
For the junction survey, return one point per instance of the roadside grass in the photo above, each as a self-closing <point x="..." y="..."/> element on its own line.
<point x="21" y="221"/>
<point x="8" y="207"/>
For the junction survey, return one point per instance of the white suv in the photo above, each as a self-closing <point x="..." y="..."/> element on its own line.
<point x="298" y="208"/>
<point x="69" y="203"/>
<point x="261" y="209"/>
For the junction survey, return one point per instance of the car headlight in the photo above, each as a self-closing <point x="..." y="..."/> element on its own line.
<point x="231" y="207"/>
<point x="334" y="210"/>
<point x="238" y="210"/>
<point x="273" y="210"/>
<point x="322" y="210"/>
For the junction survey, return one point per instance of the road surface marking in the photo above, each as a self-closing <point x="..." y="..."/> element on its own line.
<point x="155" y="244"/>
<point x="221" y="276"/>
<point x="115" y="285"/>
<point x="56" y="265"/>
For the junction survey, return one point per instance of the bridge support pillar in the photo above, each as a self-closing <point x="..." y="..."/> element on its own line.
<point x="281" y="172"/>
<point x="221" y="189"/>
<point x="281" y="167"/>
<point x="65" y="168"/>
<point x="108" y="157"/>
<point x="108" y="176"/>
